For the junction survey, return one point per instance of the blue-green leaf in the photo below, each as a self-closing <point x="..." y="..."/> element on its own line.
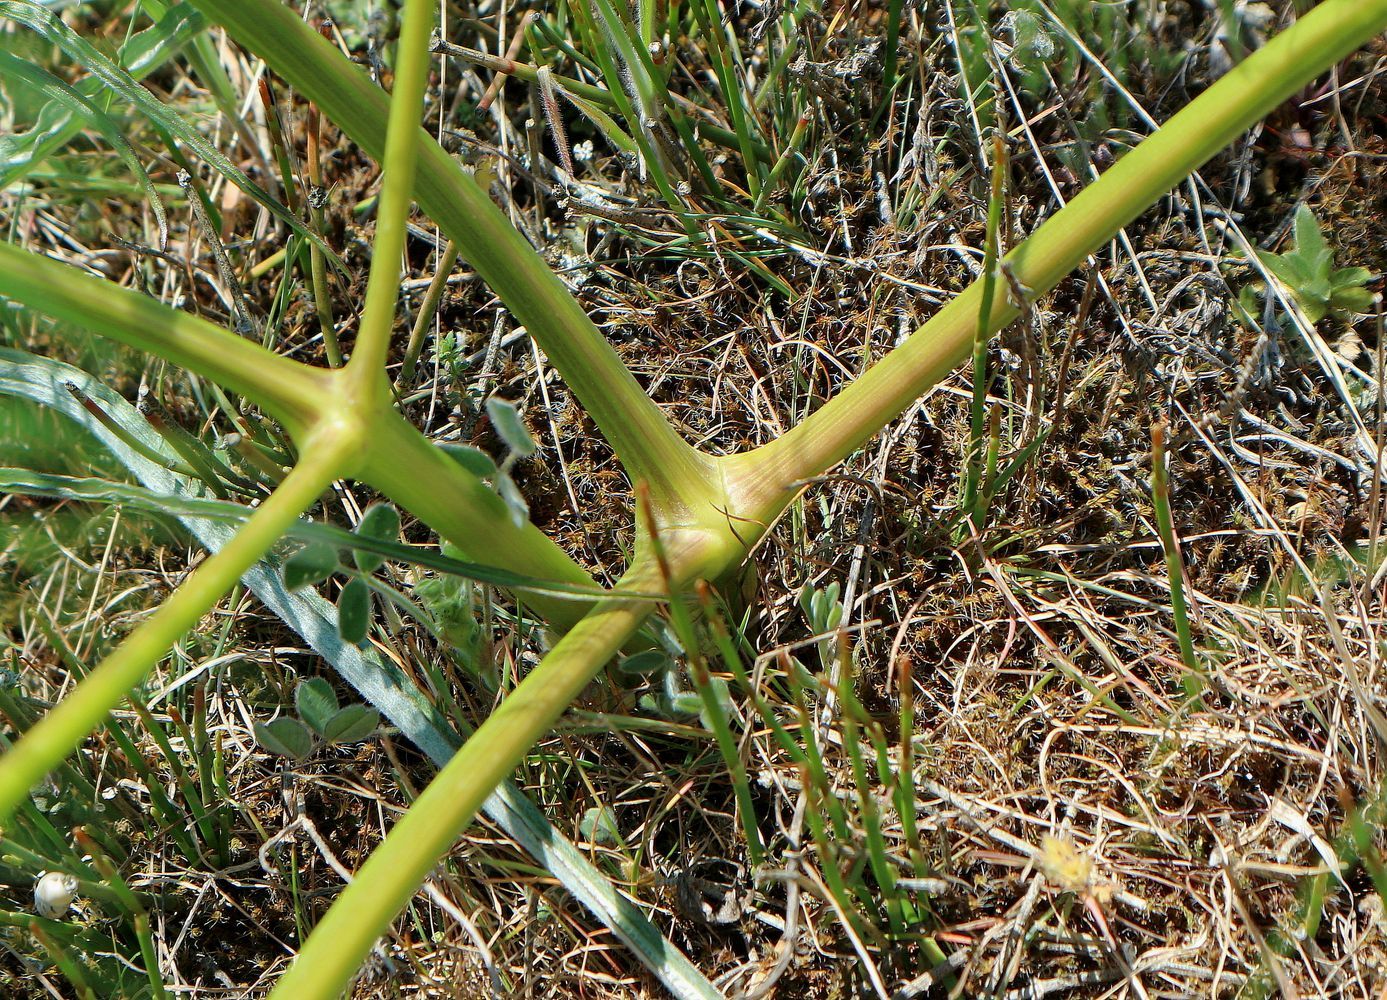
<point x="474" y="460"/>
<point x="381" y="522"/>
<point x="309" y="565"/>
<point x="285" y="736"/>
<point x="352" y="725"/>
<point x="505" y="418"/>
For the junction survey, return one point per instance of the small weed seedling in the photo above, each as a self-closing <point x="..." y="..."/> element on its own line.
<point x="321" y="722"/>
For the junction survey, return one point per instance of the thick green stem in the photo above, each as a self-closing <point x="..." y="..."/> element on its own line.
<point x="390" y="877"/>
<point x="398" y="459"/>
<point x="384" y="885"/>
<point x="632" y="423"/>
<point x="403" y="465"/>
<point x="392" y="210"/>
<point x="758" y="481"/>
<point x="53" y="739"/>
<point x="291" y="392"/>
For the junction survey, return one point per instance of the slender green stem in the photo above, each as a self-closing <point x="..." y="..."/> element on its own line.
<point x="46" y="745"/>
<point x="291" y="392"/>
<point x="428" y="308"/>
<point x="632" y="423"/>
<point x="782" y="164"/>
<point x="317" y="263"/>
<point x="1216" y="118"/>
<point x="973" y="461"/>
<point x="384" y="885"/>
<point x="1174" y="563"/>
<point x="392" y="209"/>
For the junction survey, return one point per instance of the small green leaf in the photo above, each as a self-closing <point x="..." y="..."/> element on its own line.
<point x="354" y="611"/>
<point x="1350" y="277"/>
<point x="648" y="662"/>
<point x="380" y="522"/>
<point x="1288" y="268"/>
<point x="1353" y="300"/>
<point x="598" y="825"/>
<point x="311" y="564"/>
<point x="1309" y="242"/>
<point x="316" y="703"/>
<point x="474" y="460"/>
<point x="722" y="696"/>
<point x="510" y="493"/>
<point x="285" y="736"/>
<point x="352" y="725"/>
<point x="505" y="418"/>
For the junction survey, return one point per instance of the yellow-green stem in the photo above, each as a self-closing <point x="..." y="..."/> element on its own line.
<point x="291" y="392"/>
<point x="49" y="742"/>
<point x="761" y="479"/>
<point x="397" y="184"/>
<point x="384" y="885"/>
<point x="420" y="477"/>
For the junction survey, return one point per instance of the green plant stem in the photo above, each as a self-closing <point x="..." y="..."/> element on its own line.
<point x="758" y="481"/>
<point x="49" y="742"/>
<point x="632" y="423"/>
<point x="317" y="263"/>
<point x="782" y="163"/>
<point x="400" y="461"/>
<point x="1174" y="563"/>
<point x="406" y="467"/>
<point x="392" y="210"/>
<point x="384" y="885"/>
<point x="428" y="308"/>
<point x="973" y="461"/>
<point x="291" y="392"/>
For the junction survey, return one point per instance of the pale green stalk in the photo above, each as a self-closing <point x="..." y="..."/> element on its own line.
<point x="392" y="209"/>
<point x="420" y="477"/>
<point x="761" y="483"/>
<point x="343" y="938"/>
<point x="758" y="480"/>
<point x="399" y="460"/>
<point x="52" y="739"/>
<point x="632" y="423"/>
<point x="291" y="392"/>
<point x="384" y="885"/>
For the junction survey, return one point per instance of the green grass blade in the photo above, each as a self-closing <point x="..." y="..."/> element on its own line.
<point x="88" y="114"/>
<point x="57" y="125"/>
<point x="51" y="28"/>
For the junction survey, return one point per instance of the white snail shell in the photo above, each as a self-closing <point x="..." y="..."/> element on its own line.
<point x="53" y="894"/>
